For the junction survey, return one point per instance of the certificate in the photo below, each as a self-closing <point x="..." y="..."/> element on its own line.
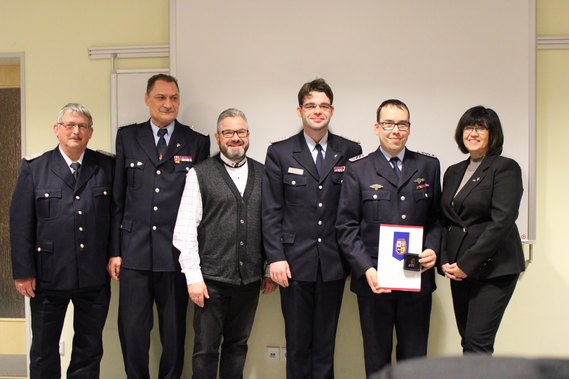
<point x="394" y="242"/>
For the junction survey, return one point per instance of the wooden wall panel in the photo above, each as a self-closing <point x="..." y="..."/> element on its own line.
<point x="12" y="303"/>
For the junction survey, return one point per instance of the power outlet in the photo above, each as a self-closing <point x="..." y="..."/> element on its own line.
<point x="61" y="348"/>
<point x="283" y="353"/>
<point x="273" y="353"/>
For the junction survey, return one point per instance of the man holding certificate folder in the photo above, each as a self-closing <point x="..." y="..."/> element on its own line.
<point x="400" y="188"/>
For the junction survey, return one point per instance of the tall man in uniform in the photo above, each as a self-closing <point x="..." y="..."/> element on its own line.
<point x="59" y="232"/>
<point x="152" y="161"/>
<point x="301" y="189"/>
<point x="222" y="198"/>
<point x="392" y="185"/>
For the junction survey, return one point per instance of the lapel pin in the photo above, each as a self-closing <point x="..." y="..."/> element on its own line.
<point x="375" y="187"/>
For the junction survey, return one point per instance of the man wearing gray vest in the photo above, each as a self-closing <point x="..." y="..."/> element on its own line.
<point x="218" y="233"/>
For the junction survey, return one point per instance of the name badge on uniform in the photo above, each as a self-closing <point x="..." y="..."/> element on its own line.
<point x="182" y="158"/>
<point x="296" y="171"/>
<point x="339" y="168"/>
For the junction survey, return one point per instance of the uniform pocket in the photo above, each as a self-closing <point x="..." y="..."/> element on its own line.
<point x="134" y="171"/>
<point x="45" y="257"/>
<point x="294" y="188"/>
<point x="373" y="201"/>
<point x="48" y="203"/>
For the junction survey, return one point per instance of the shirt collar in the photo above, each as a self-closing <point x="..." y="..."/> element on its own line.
<point x="229" y="163"/>
<point x="388" y="156"/>
<point x="68" y="160"/>
<point x="312" y="144"/>
<point x="155" y="128"/>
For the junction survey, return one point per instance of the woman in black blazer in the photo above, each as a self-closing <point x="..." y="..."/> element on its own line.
<point x="482" y="251"/>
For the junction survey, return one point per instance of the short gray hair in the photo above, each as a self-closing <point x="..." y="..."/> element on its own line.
<point x="230" y="112"/>
<point x="74" y="108"/>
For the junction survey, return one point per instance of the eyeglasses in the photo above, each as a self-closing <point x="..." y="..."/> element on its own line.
<point x="241" y="133"/>
<point x="324" y="107"/>
<point x="403" y="126"/>
<point x="72" y="125"/>
<point x="479" y="129"/>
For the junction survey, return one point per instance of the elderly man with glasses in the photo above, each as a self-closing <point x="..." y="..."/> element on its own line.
<point x="59" y="232"/>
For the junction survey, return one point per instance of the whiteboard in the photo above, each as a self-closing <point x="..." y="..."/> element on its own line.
<point x="127" y="98"/>
<point x="440" y="57"/>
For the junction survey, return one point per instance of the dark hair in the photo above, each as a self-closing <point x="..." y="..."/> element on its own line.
<point x="318" y="85"/>
<point x="393" y="103"/>
<point x="164" y="77"/>
<point x="481" y="116"/>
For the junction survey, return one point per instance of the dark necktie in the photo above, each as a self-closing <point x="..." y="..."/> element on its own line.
<point x="319" y="159"/>
<point x="396" y="170"/>
<point x="75" y="166"/>
<point x="162" y="146"/>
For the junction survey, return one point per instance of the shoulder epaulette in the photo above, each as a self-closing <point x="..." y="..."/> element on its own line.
<point x="357" y="157"/>
<point x="427" y="154"/>
<point x="33" y="156"/>
<point x="108" y="154"/>
<point x="350" y="139"/>
<point x="203" y="133"/>
<point x="279" y="140"/>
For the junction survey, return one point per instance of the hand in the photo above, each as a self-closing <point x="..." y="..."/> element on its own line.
<point x="198" y="293"/>
<point x="268" y="286"/>
<point x="371" y="276"/>
<point x="280" y="272"/>
<point x="427" y="259"/>
<point x="26" y="286"/>
<point x="114" y="267"/>
<point x="452" y="271"/>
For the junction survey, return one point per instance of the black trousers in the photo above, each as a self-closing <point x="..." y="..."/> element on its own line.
<point x="139" y="290"/>
<point x="228" y="314"/>
<point x="48" y="310"/>
<point x="410" y="314"/>
<point x="478" y="308"/>
<point x="311" y="311"/>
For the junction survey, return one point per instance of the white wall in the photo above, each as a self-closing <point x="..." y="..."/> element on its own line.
<point x="55" y="37"/>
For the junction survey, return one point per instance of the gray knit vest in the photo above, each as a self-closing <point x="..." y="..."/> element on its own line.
<point x="229" y="234"/>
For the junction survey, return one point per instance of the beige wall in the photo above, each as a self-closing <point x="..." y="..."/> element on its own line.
<point x="55" y="36"/>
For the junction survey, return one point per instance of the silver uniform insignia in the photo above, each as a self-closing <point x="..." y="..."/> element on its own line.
<point x="350" y="139"/>
<point x="357" y="157"/>
<point x="203" y="133"/>
<point x="33" y="156"/>
<point x="108" y="154"/>
<point x="279" y="140"/>
<point x="427" y="154"/>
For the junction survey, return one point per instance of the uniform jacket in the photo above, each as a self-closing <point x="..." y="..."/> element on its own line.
<point x="148" y="193"/>
<point x="299" y="208"/>
<point x="480" y="231"/>
<point x="372" y="195"/>
<point x="59" y="229"/>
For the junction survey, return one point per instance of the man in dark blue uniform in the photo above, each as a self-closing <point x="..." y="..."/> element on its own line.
<point x="397" y="186"/>
<point x="59" y="232"/>
<point x="301" y="188"/>
<point x="152" y="161"/>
